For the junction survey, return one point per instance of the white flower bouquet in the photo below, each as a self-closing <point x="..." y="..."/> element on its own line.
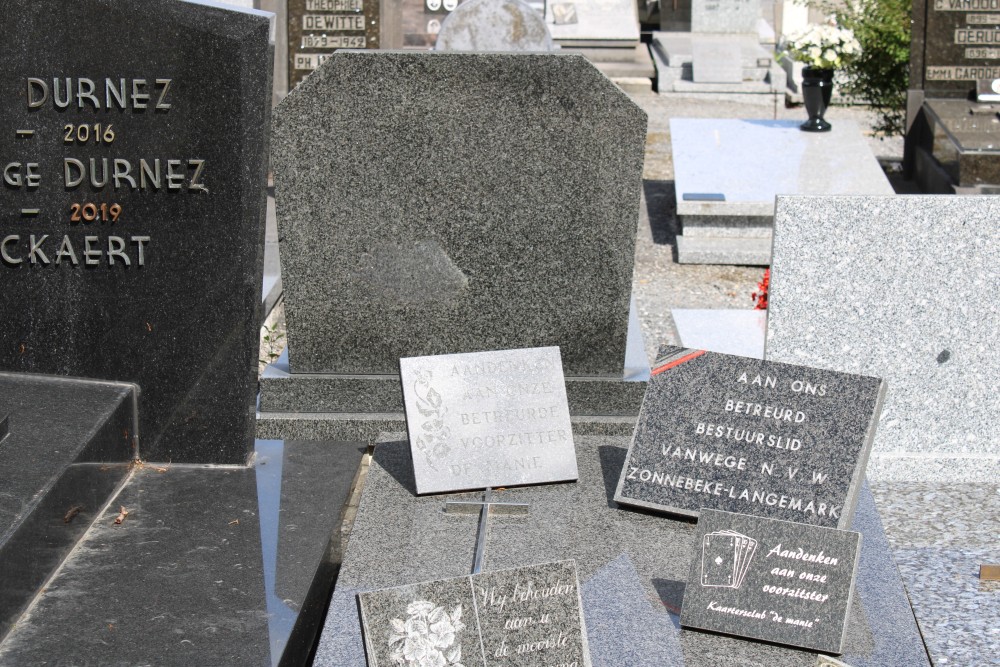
<point x="823" y="46"/>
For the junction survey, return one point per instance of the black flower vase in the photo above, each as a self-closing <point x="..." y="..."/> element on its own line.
<point x="817" y="87"/>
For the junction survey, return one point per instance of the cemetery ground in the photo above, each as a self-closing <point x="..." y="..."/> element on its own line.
<point x="929" y="544"/>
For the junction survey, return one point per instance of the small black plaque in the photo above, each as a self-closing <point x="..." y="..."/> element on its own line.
<point x="778" y="581"/>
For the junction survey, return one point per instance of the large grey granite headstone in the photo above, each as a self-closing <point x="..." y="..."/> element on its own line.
<point x="904" y="288"/>
<point x="494" y="25"/>
<point x="632" y="567"/>
<point x="773" y="580"/>
<point x="487" y="419"/>
<point x="453" y="202"/>
<point x="137" y="254"/>
<point x="755" y="437"/>
<point x="526" y="617"/>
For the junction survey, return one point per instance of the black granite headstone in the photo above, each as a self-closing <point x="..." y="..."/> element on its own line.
<point x="133" y="145"/>
<point x="954" y="44"/>
<point x="778" y="581"/>
<point x="751" y="436"/>
<point x="68" y="450"/>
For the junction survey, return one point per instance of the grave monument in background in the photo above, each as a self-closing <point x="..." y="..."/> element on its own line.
<point x="722" y="53"/>
<point x="727" y="173"/>
<point x="953" y="103"/>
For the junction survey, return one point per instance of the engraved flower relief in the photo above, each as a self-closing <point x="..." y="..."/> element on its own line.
<point x="433" y="439"/>
<point x="429" y="637"/>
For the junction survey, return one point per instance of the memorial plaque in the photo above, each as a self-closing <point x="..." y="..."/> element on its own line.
<point x="133" y="139"/>
<point x="777" y="581"/>
<point x="487" y="419"/>
<point x="524" y="617"/>
<point x="959" y="45"/>
<point x="755" y="437"/>
<point x="317" y="28"/>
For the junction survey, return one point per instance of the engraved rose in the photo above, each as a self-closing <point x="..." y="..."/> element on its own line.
<point x="433" y="440"/>
<point x="427" y="637"/>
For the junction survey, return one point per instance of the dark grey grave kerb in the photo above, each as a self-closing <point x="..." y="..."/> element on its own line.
<point x="4" y="427"/>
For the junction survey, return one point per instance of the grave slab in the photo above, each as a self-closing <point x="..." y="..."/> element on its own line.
<point x="716" y="60"/>
<point x="239" y="576"/>
<point x="149" y="208"/>
<point x="66" y="446"/>
<point x="749" y="162"/>
<point x="729" y="331"/>
<point x="909" y="294"/>
<point x="743" y="435"/>
<point x="399" y="538"/>
<point x="487" y="419"/>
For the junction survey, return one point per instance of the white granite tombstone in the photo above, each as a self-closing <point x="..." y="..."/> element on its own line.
<point x="904" y="288"/>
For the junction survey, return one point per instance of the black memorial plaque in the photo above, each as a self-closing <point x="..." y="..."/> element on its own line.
<point x="955" y="43"/>
<point x="133" y="144"/>
<point x="317" y="28"/>
<point x="750" y="436"/>
<point x="777" y="581"/>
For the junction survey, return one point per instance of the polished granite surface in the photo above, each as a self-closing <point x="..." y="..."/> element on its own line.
<point x="940" y="534"/>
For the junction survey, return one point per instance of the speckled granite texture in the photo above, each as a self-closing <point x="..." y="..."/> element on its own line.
<point x="629" y="563"/>
<point x="282" y="392"/>
<point x="941" y="534"/>
<point x="351" y="427"/>
<point x="455" y="202"/>
<point x="903" y="288"/>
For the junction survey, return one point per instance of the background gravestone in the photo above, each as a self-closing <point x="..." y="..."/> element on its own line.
<point x="951" y="142"/>
<point x="316" y="28"/>
<point x="466" y="224"/>
<point x="908" y="294"/>
<point x="492" y="25"/>
<point x="144" y="277"/>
